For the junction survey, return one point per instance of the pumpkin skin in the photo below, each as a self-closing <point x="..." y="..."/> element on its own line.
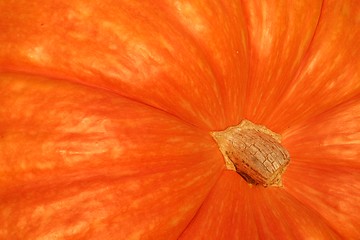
<point x="107" y="106"/>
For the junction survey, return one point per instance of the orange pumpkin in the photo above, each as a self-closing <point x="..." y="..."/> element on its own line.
<point x="107" y="109"/>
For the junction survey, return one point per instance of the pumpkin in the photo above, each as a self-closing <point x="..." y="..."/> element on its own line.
<point x="108" y="110"/>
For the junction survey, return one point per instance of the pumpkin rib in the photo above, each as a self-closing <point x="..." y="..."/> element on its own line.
<point x="97" y="88"/>
<point x="176" y="23"/>
<point x="27" y="56"/>
<point x="254" y="213"/>
<point x="325" y="168"/>
<point x="200" y="206"/>
<point x="278" y="40"/>
<point x="343" y="222"/>
<point x="140" y="63"/>
<point x="162" y="58"/>
<point x="193" y="230"/>
<point x="48" y="204"/>
<point x="328" y="74"/>
<point x="53" y="192"/>
<point x="278" y="204"/>
<point x="307" y="52"/>
<point x="347" y="103"/>
<point x="215" y="59"/>
<point x="79" y="117"/>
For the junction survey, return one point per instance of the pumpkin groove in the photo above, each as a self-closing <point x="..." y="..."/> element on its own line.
<point x="106" y="110"/>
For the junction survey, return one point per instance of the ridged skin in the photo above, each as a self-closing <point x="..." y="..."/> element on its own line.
<point x="106" y="110"/>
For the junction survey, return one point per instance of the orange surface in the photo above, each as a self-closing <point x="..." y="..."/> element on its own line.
<point x="106" y="109"/>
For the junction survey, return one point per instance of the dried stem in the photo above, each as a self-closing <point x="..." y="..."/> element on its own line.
<point x="254" y="152"/>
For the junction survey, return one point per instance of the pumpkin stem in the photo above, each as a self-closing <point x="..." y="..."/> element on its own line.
<point x="254" y="152"/>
